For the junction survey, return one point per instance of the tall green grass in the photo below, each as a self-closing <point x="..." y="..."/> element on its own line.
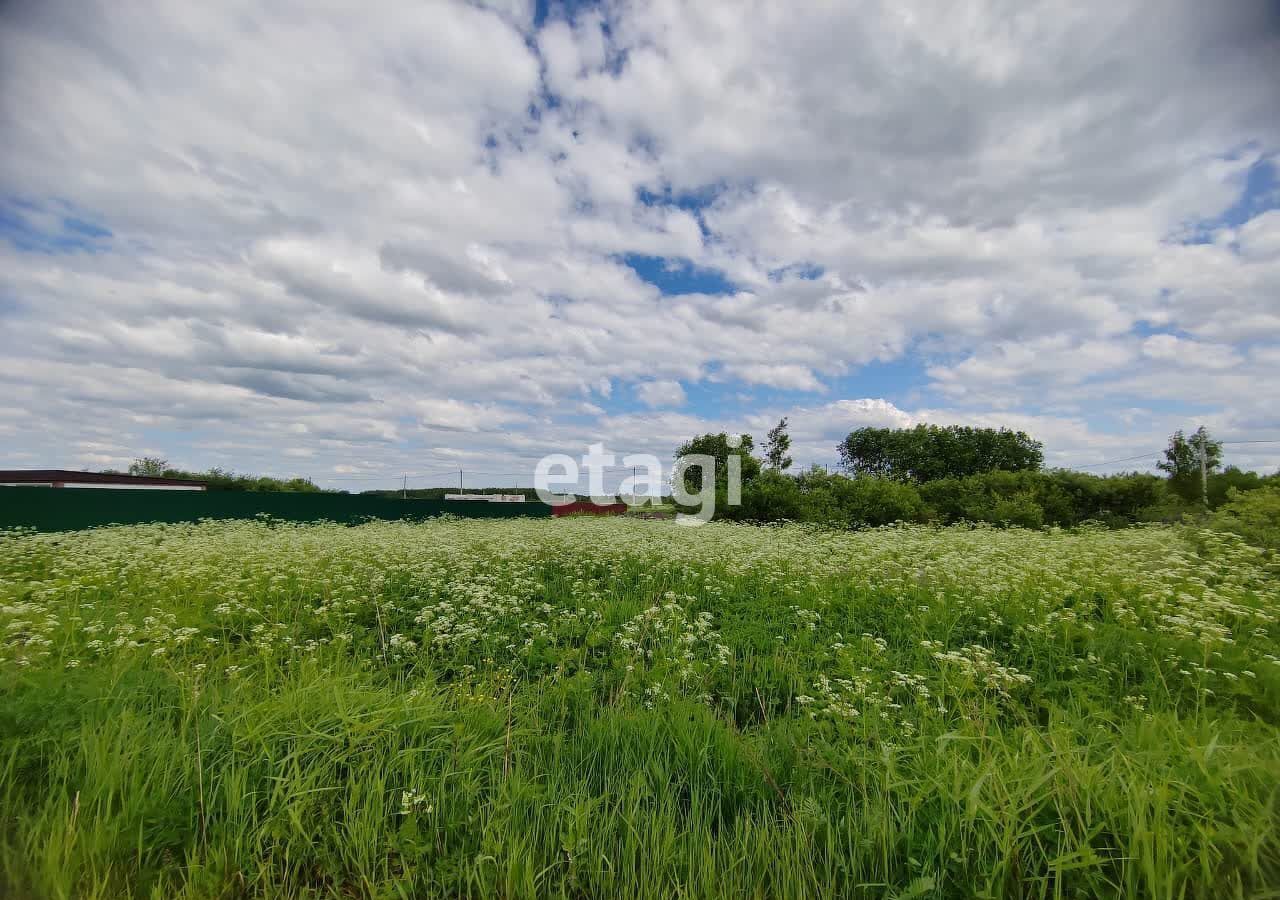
<point x="601" y="708"/>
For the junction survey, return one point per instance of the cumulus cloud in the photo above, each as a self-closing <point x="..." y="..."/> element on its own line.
<point x="660" y="393"/>
<point x="399" y="237"/>
<point x="1195" y="354"/>
<point x="792" y="377"/>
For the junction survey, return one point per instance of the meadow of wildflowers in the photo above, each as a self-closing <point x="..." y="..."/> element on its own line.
<point x="593" y="708"/>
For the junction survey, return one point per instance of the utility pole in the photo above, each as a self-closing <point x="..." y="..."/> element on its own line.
<point x="404" y="488"/>
<point x="461" y="489"/>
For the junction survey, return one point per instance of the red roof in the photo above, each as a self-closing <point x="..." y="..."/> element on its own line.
<point x="46" y="476"/>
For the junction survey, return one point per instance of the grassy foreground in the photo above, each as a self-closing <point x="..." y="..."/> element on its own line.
<point x="595" y="708"/>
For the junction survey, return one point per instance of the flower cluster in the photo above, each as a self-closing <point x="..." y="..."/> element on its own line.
<point x="666" y="639"/>
<point x="895" y="626"/>
<point x="979" y="663"/>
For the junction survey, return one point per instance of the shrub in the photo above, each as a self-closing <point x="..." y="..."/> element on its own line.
<point x="1021" y="510"/>
<point x="1254" y="515"/>
<point x="1231" y="478"/>
<point x="1027" y="499"/>
<point x="851" y="502"/>
<point x="819" y="497"/>
<point x="771" y="497"/>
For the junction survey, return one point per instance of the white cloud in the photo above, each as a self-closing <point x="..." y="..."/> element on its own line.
<point x="1195" y="354"/>
<point x="790" y="377"/>
<point x="660" y="393"/>
<point x="370" y="236"/>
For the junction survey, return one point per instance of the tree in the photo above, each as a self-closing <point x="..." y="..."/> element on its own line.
<point x="776" y="445"/>
<point x="720" y="447"/>
<point x="929" y="452"/>
<point x="868" y="451"/>
<point x="151" y="466"/>
<point x="1182" y="461"/>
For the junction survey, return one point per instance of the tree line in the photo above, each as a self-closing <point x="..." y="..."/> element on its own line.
<point x="947" y="474"/>
<point x="219" y="479"/>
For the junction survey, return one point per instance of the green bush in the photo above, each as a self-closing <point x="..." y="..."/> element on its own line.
<point x="1113" y="499"/>
<point x="1001" y="498"/>
<point x="1062" y="497"/>
<point x="1171" y="509"/>
<point x="852" y="502"/>
<point x="1021" y="510"/>
<point x="770" y="497"/>
<point x="1028" y="499"/>
<point x="1231" y="478"/>
<point x="826" y="499"/>
<point x="1254" y="515"/>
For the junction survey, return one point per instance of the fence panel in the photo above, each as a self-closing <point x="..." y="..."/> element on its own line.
<point x="70" y="509"/>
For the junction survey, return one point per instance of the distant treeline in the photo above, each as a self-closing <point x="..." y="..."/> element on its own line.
<point x="948" y="474"/>
<point x="225" y="480"/>
<point x="1026" y="498"/>
<point x="219" y="479"/>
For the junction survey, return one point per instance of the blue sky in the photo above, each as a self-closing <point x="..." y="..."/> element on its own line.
<point x="410" y="238"/>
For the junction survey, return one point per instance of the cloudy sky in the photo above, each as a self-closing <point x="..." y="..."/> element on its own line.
<point x="351" y="241"/>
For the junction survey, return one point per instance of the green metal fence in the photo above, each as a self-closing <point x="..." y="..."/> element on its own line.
<point x="70" y="509"/>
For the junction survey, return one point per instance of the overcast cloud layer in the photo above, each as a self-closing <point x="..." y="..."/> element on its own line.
<point x="355" y="240"/>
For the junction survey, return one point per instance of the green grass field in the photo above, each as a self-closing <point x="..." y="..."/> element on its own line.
<point x="597" y="708"/>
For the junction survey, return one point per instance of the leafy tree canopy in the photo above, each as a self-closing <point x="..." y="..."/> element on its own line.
<point x="929" y="452"/>
<point x="719" y="446"/>
<point x="1182" y="461"/>
<point x="150" y="466"/>
<point x="777" y="443"/>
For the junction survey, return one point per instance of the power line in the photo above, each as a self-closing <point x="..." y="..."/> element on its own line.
<point x="1108" y="462"/>
<point x="388" y="477"/>
<point x="1150" y="453"/>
